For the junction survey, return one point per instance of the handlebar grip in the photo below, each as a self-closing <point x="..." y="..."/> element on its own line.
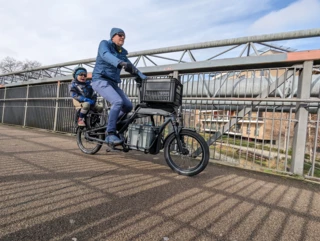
<point x="141" y="76"/>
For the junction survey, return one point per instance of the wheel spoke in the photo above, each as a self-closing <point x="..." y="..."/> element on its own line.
<point x="183" y="161"/>
<point x="88" y="146"/>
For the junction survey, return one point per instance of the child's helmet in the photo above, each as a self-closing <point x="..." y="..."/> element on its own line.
<point x="76" y="69"/>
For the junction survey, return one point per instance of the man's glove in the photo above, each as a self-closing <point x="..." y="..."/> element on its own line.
<point x="142" y="76"/>
<point x="92" y="102"/>
<point x="127" y="66"/>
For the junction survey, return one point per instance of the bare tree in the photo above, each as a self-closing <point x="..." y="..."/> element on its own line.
<point x="9" y="64"/>
<point x="30" y="64"/>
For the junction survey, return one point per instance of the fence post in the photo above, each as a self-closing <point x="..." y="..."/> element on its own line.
<point x="301" y="116"/>
<point x="56" y="109"/>
<point x="26" y="107"/>
<point x="4" y="103"/>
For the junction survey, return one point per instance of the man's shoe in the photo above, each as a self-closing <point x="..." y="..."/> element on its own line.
<point x="113" y="139"/>
<point x="81" y="122"/>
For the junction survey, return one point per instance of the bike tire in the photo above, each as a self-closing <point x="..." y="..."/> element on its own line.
<point x="178" y="162"/>
<point x="81" y="140"/>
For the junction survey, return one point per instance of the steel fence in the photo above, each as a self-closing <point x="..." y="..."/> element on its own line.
<point x="256" y="118"/>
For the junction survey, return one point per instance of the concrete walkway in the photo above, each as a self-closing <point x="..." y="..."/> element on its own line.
<point x="49" y="190"/>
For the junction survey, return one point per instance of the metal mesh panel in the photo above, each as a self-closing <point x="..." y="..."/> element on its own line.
<point x="43" y="91"/>
<point x="260" y="140"/>
<point x="65" y="116"/>
<point x="261" y="135"/>
<point x="40" y="114"/>
<point x="1" y="111"/>
<point x="2" y="93"/>
<point x="14" y="112"/>
<point x="64" y="89"/>
<point x="66" y="110"/>
<point x="16" y="92"/>
<point x="312" y="156"/>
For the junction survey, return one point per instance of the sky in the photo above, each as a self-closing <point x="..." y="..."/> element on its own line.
<point x="59" y="31"/>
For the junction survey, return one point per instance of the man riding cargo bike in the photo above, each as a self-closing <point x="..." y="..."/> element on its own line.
<point x="185" y="151"/>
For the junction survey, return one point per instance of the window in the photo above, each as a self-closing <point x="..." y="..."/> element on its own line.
<point x="256" y="130"/>
<point x="248" y="129"/>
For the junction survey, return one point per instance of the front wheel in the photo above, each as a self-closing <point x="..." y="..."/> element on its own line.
<point x="194" y="156"/>
<point x="88" y="146"/>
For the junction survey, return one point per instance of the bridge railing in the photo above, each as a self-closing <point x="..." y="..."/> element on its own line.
<point x="188" y="53"/>
<point x="258" y="112"/>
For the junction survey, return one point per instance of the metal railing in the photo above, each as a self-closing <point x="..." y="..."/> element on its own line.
<point x="275" y="142"/>
<point x="189" y="53"/>
<point x="258" y="112"/>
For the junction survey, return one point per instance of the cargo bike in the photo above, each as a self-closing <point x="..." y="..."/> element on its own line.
<point x="185" y="151"/>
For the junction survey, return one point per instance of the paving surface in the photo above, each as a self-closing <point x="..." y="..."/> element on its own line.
<point x="49" y="190"/>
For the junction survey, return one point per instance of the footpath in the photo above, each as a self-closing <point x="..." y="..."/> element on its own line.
<point x="49" y="190"/>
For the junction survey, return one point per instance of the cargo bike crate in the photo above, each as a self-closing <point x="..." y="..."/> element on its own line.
<point x="162" y="91"/>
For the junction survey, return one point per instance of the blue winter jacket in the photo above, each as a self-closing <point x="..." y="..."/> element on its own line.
<point x="107" y="62"/>
<point x="82" y="90"/>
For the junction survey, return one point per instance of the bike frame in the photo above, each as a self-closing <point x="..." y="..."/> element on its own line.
<point x="172" y="119"/>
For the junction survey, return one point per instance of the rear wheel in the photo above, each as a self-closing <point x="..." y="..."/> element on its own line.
<point x="85" y="144"/>
<point x="194" y="156"/>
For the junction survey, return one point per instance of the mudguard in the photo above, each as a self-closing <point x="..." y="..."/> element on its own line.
<point x="180" y="129"/>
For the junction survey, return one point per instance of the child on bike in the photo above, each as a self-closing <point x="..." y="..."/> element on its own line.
<point x="83" y="95"/>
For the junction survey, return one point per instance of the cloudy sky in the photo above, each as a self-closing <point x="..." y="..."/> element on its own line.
<point x="66" y="30"/>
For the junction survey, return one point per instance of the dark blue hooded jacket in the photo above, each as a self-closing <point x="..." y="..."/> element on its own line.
<point x="107" y="62"/>
<point x="81" y="90"/>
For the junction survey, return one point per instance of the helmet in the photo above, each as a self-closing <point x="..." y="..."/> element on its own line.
<point x="76" y="69"/>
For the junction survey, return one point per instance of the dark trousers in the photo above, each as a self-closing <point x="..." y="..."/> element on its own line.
<point x="119" y="101"/>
